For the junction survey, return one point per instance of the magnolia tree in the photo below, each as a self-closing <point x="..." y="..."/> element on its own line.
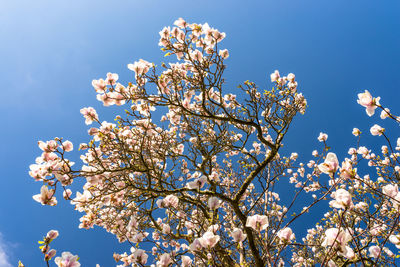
<point x="188" y="175"/>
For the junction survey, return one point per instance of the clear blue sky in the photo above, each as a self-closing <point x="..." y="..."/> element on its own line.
<point x="51" y="50"/>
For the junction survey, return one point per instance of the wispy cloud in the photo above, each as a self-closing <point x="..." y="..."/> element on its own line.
<point x="4" y="259"/>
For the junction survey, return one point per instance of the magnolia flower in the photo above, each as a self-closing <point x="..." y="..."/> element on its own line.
<point x="50" y="254"/>
<point x="330" y="164"/>
<point x="181" y="23"/>
<point x="356" y="132"/>
<point x="238" y="235"/>
<point x="322" y="137"/>
<point x="275" y="76"/>
<point x="67" y="193"/>
<point x="166" y="229"/>
<point x="374" y="251"/>
<point x="196" y="245"/>
<point x="99" y="85"/>
<point x="390" y="190"/>
<point x="186" y="261"/>
<point x="257" y="222"/>
<point x="396" y="201"/>
<point x="52" y="234"/>
<point x="348" y="253"/>
<point x="198" y="183"/>
<point x="363" y="151"/>
<point x="112" y="78"/>
<point x="291" y="77"/>
<point x="394" y="239"/>
<point x="67" y="146"/>
<point x="224" y="53"/>
<point x="331" y="263"/>
<point x="347" y="171"/>
<point x="140" y="67"/>
<point x="286" y="234"/>
<point x="164" y="261"/>
<point x="209" y="240"/>
<point x="49" y="146"/>
<point x="67" y="260"/>
<point x="140" y="256"/>
<point x="89" y="114"/>
<point x="342" y="199"/>
<point x="336" y="238"/>
<point x="377" y="130"/>
<point x="214" y="203"/>
<point x="169" y="201"/>
<point x="365" y="99"/>
<point x="385" y="113"/>
<point x="46" y="196"/>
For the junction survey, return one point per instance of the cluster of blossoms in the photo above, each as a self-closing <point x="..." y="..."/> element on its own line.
<point x="198" y="187"/>
<point x="66" y="259"/>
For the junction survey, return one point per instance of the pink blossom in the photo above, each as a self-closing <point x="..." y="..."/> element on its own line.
<point x="224" y="53"/>
<point x="99" y="85"/>
<point x="374" y="251"/>
<point x="348" y="253"/>
<point x="197" y="184"/>
<point x="365" y="99"/>
<point x="342" y="199"/>
<point x="214" y="203"/>
<point x="292" y="85"/>
<point x="89" y="114"/>
<point x="181" y="23"/>
<point x="67" y="193"/>
<point x="286" y="234"/>
<point x="67" y="146"/>
<point x="46" y="196"/>
<point x="331" y="263"/>
<point x="209" y="240"/>
<point x="67" y="260"/>
<point x="257" y="222"/>
<point x="363" y="151"/>
<point x="171" y="201"/>
<point x="275" y="76"/>
<point x="166" y="229"/>
<point x="291" y="77"/>
<point x="140" y="256"/>
<point x="164" y="33"/>
<point x="385" y="113"/>
<point x="180" y="148"/>
<point x="322" y="137"/>
<point x="49" y="146"/>
<point x="112" y="78"/>
<point x="238" y="235"/>
<point x="49" y="156"/>
<point x="186" y="261"/>
<point x="330" y="164"/>
<point x="334" y="237"/>
<point x="164" y="260"/>
<point x="377" y="130"/>
<point x="140" y="67"/>
<point x="50" y="254"/>
<point x="390" y="190"/>
<point x="356" y="132"/>
<point x="196" y="245"/>
<point x="106" y="99"/>
<point x="52" y="234"/>
<point x="394" y="239"/>
<point x="347" y="171"/>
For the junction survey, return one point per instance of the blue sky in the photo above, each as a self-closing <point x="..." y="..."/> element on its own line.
<point x="51" y="50"/>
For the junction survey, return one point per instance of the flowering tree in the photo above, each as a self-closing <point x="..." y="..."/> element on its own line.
<point x="188" y="175"/>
